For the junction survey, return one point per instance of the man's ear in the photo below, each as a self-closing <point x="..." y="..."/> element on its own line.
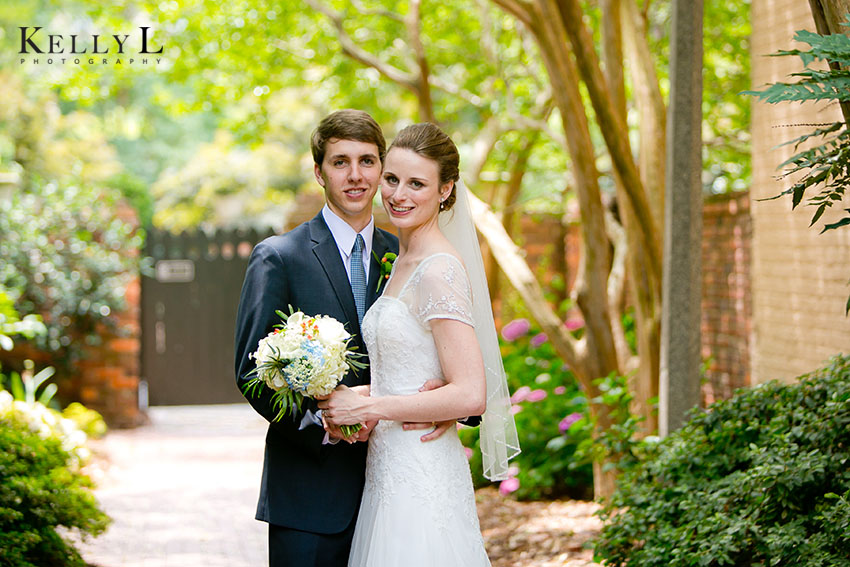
<point x="317" y="171"/>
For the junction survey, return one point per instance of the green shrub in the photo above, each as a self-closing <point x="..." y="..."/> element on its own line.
<point x="67" y="256"/>
<point x="762" y="479"/>
<point x="551" y="418"/>
<point x="41" y="488"/>
<point x="88" y="420"/>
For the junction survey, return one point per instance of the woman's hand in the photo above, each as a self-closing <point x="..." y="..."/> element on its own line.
<point x="346" y="406"/>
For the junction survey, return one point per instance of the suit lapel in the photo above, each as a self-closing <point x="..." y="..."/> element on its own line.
<point x="380" y="246"/>
<point x="327" y="252"/>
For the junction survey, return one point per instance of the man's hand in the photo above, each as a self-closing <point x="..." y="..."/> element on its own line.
<point x="334" y="432"/>
<point x="363" y="433"/>
<point x="437" y="427"/>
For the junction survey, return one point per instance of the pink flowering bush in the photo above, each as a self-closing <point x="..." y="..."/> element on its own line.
<point x="515" y="329"/>
<point x="551" y="418"/>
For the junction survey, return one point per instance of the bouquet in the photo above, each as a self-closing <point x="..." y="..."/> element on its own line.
<point x="303" y="357"/>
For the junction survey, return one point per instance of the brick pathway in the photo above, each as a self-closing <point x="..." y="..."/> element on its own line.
<point x="182" y="491"/>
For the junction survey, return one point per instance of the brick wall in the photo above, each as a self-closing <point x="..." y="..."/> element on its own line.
<point x="726" y="320"/>
<point x="107" y="379"/>
<point x="800" y="277"/>
<point x="726" y="303"/>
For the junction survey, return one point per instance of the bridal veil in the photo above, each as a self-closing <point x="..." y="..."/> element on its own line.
<point x="498" y="436"/>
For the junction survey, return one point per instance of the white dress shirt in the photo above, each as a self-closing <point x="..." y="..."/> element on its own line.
<point x="344" y="236"/>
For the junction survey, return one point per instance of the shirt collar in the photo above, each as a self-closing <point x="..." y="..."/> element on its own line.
<point x="344" y="234"/>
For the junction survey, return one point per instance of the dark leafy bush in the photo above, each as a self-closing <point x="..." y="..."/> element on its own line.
<point x="551" y="416"/>
<point x="41" y="488"/>
<point x="762" y="479"/>
<point x="67" y="256"/>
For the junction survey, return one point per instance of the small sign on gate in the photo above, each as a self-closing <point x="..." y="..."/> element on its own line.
<point x="175" y="271"/>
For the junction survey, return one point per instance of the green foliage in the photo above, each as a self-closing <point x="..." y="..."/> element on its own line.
<point x="827" y="164"/>
<point x="552" y="423"/>
<point x="40" y="491"/>
<point x="24" y="387"/>
<point x="761" y="480"/>
<point x="266" y="72"/>
<point x="225" y="184"/>
<point x="67" y="251"/>
<point x="619" y="445"/>
<point x="67" y="256"/>
<point x="726" y="72"/>
<point x="89" y="421"/>
<point x="12" y="325"/>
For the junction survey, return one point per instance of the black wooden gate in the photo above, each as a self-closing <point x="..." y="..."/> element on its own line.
<point x="189" y="312"/>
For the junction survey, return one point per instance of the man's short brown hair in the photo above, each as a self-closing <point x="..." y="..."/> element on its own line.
<point x="348" y="124"/>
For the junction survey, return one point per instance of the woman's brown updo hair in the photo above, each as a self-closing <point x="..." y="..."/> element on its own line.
<point x="430" y="142"/>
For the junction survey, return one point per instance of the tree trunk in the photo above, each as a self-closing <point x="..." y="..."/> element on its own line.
<point x="652" y="111"/>
<point x="591" y="295"/>
<point x="608" y="97"/>
<point x="828" y="16"/>
<point x="604" y="475"/>
<point x="614" y="131"/>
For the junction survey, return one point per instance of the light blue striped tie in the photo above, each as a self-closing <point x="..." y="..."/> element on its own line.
<point x="358" y="277"/>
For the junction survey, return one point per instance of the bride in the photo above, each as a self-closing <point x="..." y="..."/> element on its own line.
<point x="433" y="319"/>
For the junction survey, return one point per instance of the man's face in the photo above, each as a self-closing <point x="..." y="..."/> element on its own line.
<point x="350" y="173"/>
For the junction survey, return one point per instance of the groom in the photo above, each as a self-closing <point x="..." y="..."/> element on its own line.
<point x="310" y="491"/>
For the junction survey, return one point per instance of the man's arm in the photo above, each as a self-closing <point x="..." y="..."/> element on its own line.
<point x="438" y="428"/>
<point x="264" y="291"/>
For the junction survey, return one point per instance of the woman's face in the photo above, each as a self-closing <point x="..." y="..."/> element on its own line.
<point x="410" y="188"/>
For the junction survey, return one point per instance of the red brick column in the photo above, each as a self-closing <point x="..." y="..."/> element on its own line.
<point x="108" y="378"/>
<point x="726" y="321"/>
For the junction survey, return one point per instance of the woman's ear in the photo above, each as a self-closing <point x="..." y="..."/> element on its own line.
<point x="446" y="190"/>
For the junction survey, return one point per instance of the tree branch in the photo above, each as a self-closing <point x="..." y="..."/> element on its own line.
<point x="455" y="90"/>
<point x="368" y="12"/>
<point x="651" y="107"/>
<point x="483" y="145"/>
<point x="616" y="287"/>
<point x="413" y="21"/>
<point x="515" y="268"/>
<point x="613" y="129"/>
<point x="520" y="9"/>
<point x="823" y="28"/>
<point x="406" y="80"/>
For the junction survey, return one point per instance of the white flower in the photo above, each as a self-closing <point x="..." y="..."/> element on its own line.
<point x="294" y="321"/>
<point x="47" y="423"/>
<point x="331" y="331"/>
<point x="307" y="356"/>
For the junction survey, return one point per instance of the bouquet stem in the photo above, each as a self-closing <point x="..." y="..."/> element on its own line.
<point x="349" y="430"/>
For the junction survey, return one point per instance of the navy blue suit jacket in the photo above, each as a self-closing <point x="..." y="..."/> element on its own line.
<point x="306" y="485"/>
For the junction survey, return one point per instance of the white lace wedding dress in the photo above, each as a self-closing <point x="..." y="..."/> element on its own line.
<point x="418" y="506"/>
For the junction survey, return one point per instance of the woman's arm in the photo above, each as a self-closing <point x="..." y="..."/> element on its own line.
<point x="464" y="394"/>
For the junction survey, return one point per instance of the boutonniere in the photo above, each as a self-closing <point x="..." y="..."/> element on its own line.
<point x="386" y="264"/>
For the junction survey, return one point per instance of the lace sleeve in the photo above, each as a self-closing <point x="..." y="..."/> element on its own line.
<point x="442" y="291"/>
